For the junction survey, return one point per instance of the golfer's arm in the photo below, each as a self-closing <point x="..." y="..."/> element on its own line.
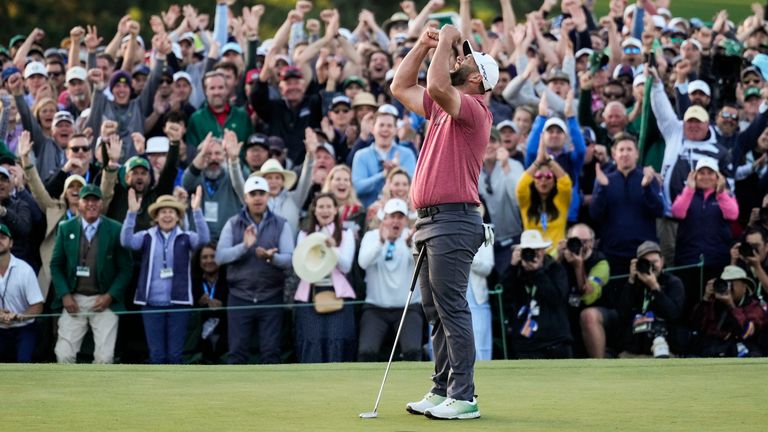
<point x="439" y="80"/>
<point x="405" y="86"/>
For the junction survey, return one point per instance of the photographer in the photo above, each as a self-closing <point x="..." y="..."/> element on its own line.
<point x="751" y="253"/>
<point x="536" y="299"/>
<point x="649" y="303"/>
<point x="729" y="317"/>
<point x="588" y="272"/>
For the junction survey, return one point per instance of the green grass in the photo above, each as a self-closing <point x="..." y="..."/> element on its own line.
<point x="704" y="9"/>
<point x="582" y="395"/>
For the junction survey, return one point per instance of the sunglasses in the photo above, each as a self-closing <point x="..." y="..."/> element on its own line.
<point x="55" y="74"/>
<point x="752" y="82"/>
<point x="632" y="50"/>
<point x="80" y="149"/>
<point x="341" y="110"/>
<point x="167" y="81"/>
<point x="609" y="95"/>
<point x="543" y="175"/>
<point x="728" y="116"/>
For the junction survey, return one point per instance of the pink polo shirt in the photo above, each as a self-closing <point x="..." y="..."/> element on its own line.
<point x="452" y="154"/>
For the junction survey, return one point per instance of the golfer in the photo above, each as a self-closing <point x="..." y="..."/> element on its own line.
<point x="445" y="195"/>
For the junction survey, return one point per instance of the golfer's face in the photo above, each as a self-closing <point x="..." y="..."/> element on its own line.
<point x="256" y="201"/>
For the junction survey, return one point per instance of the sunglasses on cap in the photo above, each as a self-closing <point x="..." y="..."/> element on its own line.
<point x="543" y="175"/>
<point x="632" y="50"/>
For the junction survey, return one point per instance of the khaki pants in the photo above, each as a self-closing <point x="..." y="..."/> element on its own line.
<point x="72" y="330"/>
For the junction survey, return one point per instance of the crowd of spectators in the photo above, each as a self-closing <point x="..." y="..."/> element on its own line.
<point x="625" y="179"/>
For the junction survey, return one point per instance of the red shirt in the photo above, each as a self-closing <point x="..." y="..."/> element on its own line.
<point x="452" y="154"/>
<point x="221" y="117"/>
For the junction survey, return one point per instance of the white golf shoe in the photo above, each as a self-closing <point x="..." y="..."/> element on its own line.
<point x="453" y="409"/>
<point x="430" y="400"/>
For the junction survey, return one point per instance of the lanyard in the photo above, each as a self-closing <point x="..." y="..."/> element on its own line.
<point x="69" y="214"/>
<point x="531" y="291"/>
<point x="646" y="300"/>
<point x="87" y="176"/>
<point x="210" y="290"/>
<point x="6" y="279"/>
<point x="544" y="219"/>
<point x="211" y="186"/>
<point x="165" y="246"/>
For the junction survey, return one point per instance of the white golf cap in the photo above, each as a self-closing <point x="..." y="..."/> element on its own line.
<point x="158" y="144"/>
<point x="139" y="39"/>
<point x="659" y="21"/>
<point x="35" y="68"/>
<point x="531" y="239"/>
<point x="635" y="42"/>
<point x="76" y="72"/>
<point x="231" y="46"/>
<point x="555" y="121"/>
<point x="639" y="80"/>
<point x="182" y="75"/>
<point x="582" y="52"/>
<point x="699" y="85"/>
<point x="188" y="36"/>
<point x="389" y="109"/>
<point x="256" y="183"/>
<point x="708" y="162"/>
<point x="691" y="41"/>
<point x="487" y="65"/>
<point x="506" y="124"/>
<point x="395" y="205"/>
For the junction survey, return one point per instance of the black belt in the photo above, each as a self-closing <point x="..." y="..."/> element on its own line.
<point x="431" y="211"/>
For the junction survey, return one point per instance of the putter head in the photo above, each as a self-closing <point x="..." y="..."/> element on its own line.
<point x="369" y="415"/>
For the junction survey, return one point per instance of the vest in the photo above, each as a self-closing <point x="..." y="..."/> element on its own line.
<point x="181" y="285"/>
<point x="250" y="278"/>
<point x="703" y="231"/>
<point x="88" y="252"/>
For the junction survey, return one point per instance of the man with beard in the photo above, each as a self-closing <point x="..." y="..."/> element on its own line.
<point x="220" y="199"/>
<point x="445" y="184"/>
<point x="49" y="152"/>
<point x="216" y="114"/>
<point x="288" y="116"/>
<point x="90" y="272"/>
<point x="79" y="161"/>
<point x="138" y="178"/>
<point x="128" y="113"/>
<point x="79" y="97"/>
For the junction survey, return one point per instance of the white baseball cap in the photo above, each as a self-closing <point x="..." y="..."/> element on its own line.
<point x="76" y="72"/>
<point x="507" y="123"/>
<point x="158" y="144"/>
<point x="35" y="68"/>
<point x="487" y="65"/>
<point x="583" y="51"/>
<point x="182" y="75"/>
<point x="256" y="183"/>
<point x="635" y="42"/>
<point x="389" y="109"/>
<point x="708" y="162"/>
<point x="556" y="121"/>
<point x="395" y="205"/>
<point x="699" y="85"/>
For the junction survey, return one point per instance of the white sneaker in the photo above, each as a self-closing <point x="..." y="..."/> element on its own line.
<point x="430" y="400"/>
<point x="454" y="409"/>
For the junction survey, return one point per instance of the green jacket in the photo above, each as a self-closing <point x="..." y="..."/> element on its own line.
<point x="203" y="121"/>
<point x="114" y="265"/>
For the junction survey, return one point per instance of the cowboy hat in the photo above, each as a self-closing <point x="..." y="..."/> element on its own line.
<point x="166" y="201"/>
<point x="313" y="259"/>
<point x="273" y="166"/>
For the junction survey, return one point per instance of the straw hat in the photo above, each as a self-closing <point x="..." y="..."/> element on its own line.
<point x="273" y="166"/>
<point x="313" y="259"/>
<point x="166" y="201"/>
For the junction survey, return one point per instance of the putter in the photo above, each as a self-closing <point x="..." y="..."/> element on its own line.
<point x="375" y="412"/>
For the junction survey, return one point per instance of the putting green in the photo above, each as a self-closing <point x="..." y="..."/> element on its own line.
<point x="569" y="395"/>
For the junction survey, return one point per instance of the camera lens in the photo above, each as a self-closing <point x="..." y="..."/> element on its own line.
<point x="528" y="255"/>
<point x="574" y="245"/>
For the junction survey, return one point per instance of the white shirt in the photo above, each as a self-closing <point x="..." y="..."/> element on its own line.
<point x="19" y="290"/>
<point x="387" y="281"/>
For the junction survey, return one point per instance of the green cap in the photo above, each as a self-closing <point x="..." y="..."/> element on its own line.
<point x="353" y="79"/>
<point x="16" y="39"/>
<point x="495" y="135"/>
<point x="5" y="230"/>
<point x="751" y="91"/>
<point x="90" y="190"/>
<point x="136" y="161"/>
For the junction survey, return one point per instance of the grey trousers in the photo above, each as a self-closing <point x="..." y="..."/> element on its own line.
<point x="452" y="240"/>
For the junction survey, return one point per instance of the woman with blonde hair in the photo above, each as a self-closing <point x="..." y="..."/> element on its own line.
<point x="339" y="183"/>
<point x="44" y="110"/>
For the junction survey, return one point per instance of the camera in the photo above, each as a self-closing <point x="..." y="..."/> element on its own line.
<point x="746" y="250"/>
<point x="721" y="286"/>
<point x="528" y="255"/>
<point x="644" y="266"/>
<point x="650" y="59"/>
<point x="574" y="245"/>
